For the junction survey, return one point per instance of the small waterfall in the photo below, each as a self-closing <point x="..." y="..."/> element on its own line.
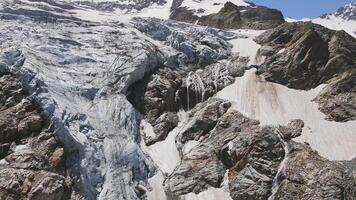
<point x="276" y="181"/>
<point x="221" y="74"/>
<point x="194" y="82"/>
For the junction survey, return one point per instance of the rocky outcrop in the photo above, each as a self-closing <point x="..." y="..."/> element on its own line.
<point x="310" y="176"/>
<point x="262" y="162"/>
<point x="235" y="17"/>
<point x="204" y="118"/>
<point x="232" y="16"/>
<point x="304" y="55"/>
<point x="32" y="164"/>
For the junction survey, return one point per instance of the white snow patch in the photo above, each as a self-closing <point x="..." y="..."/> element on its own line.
<point x="207" y="7"/>
<point x="165" y="153"/>
<point x="276" y="104"/>
<point x="157" y="189"/>
<point x="297" y="20"/>
<point x="22" y="148"/>
<point x="209" y="194"/>
<point x="157" y="11"/>
<point x="147" y="129"/>
<point x="281" y="51"/>
<point x="338" y="23"/>
<point x="95" y="15"/>
<point x="189" y="146"/>
<point x="245" y="46"/>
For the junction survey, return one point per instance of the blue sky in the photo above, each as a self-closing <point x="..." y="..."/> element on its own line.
<point x="303" y="8"/>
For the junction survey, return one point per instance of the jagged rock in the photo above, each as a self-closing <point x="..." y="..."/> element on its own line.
<point x="36" y="185"/>
<point x="184" y="15"/>
<point x="232" y="16"/>
<point x="32" y="163"/>
<point x="18" y="116"/>
<point x="338" y="99"/>
<point x="310" y="176"/>
<point x="161" y="127"/>
<point x="204" y="118"/>
<point x="347" y="12"/>
<point x="156" y="94"/>
<point x="304" y="55"/>
<point x="198" y="170"/>
<point x="235" y="17"/>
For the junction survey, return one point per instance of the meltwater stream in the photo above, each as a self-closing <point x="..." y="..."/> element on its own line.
<point x="277" y="179"/>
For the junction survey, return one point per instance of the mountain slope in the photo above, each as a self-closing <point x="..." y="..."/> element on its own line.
<point x="343" y="19"/>
<point x="160" y="109"/>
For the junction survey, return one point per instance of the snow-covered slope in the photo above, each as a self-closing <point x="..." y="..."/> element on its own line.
<point x="206" y="7"/>
<point x="343" y="19"/>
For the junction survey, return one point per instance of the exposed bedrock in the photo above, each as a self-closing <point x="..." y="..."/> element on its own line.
<point x="232" y="16"/>
<point x="160" y="95"/>
<point x="32" y="161"/>
<point x="262" y="161"/>
<point x="304" y="55"/>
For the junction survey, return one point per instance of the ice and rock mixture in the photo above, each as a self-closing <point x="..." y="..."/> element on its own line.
<point x="100" y="100"/>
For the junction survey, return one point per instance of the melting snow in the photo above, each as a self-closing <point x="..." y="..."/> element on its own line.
<point x="165" y="153"/>
<point x="276" y="104"/>
<point x="245" y="46"/>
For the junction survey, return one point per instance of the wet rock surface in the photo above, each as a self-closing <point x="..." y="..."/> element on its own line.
<point x="304" y="55"/>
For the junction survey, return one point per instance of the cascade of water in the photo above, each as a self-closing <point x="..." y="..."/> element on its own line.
<point x="221" y="74"/>
<point x="188" y="82"/>
<point x="195" y="82"/>
<point x="276" y="181"/>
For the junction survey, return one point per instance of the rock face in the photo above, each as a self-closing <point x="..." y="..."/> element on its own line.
<point x="304" y="55"/>
<point x="262" y="161"/>
<point x="32" y="164"/>
<point x="235" y="17"/>
<point x="232" y="16"/>
<point x="336" y="180"/>
<point x="133" y="104"/>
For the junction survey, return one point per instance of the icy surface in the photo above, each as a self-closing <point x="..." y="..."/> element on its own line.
<point x="276" y="104"/>
<point x="157" y="190"/>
